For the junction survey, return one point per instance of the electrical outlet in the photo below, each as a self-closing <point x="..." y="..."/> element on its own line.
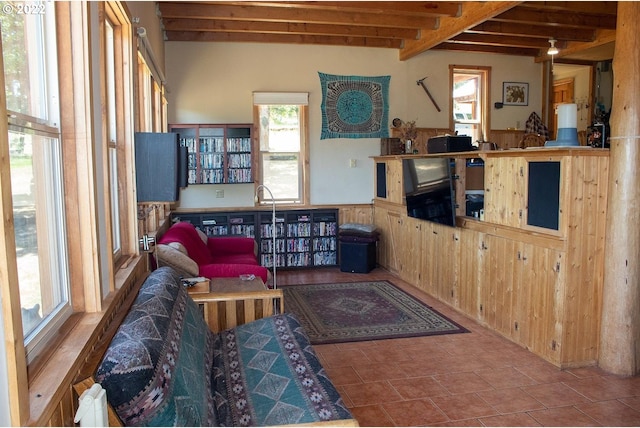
<point x="353" y="163"/>
<point x="219" y="193"/>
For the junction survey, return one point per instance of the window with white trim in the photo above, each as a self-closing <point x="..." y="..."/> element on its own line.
<point x="37" y="185"/>
<point x="118" y="126"/>
<point x="281" y="121"/>
<point x="470" y="100"/>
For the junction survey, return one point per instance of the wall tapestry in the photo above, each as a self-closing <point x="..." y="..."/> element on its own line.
<point x="354" y="106"/>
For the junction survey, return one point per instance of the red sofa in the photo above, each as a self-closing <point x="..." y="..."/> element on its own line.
<point x="192" y="253"/>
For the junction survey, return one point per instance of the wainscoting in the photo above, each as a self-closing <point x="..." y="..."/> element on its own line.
<point x="504" y="138"/>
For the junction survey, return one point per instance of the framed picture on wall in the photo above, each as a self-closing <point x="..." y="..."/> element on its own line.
<point x="515" y="94"/>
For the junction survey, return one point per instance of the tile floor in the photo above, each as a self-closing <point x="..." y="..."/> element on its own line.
<point x="471" y="379"/>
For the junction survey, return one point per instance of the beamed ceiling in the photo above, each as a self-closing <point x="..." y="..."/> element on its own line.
<point x="585" y="30"/>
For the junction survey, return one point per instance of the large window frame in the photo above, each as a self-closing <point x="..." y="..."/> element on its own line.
<point x="274" y="156"/>
<point x="36" y="170"/>
<point x="95" y="275"/>
<point x="469" y="110"/>
<point x="117" y="133"/>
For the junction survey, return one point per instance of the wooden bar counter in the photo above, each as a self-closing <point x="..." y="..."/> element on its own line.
<point x="540" y="286"/>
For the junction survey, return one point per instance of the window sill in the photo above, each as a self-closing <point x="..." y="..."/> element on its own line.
<point x="52" y="378"/>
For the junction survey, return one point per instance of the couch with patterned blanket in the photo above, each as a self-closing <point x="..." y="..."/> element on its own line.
<point x="165" y="367"/>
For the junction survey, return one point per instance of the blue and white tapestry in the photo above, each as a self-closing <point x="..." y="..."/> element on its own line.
<point x="354" y="106"/>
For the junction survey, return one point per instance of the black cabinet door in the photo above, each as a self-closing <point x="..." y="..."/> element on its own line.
<point x="160" y="167"/>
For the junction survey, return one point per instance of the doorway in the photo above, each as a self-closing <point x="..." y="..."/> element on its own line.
<point x="572" y="83"/>
<point x="562" y="93"/>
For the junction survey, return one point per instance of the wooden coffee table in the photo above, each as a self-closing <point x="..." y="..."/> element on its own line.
<point x="228" y="302"/>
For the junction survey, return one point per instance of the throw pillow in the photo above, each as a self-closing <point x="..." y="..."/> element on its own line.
<point x="168" y="255"/>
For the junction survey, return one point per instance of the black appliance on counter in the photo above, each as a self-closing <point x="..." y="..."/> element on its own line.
<point x="449" y="143"/>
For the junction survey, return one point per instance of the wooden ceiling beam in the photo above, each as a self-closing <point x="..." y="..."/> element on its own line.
<point x="279" y="14"/>
<point x="542" y="31"/>
<point x="412" y="27"/>
<point x="187" y="36"/>
<point x="487" y="49"/>
<point x="175" y="24"/>
<point x="603" y="37"/>
<point x="473" y="13"/>
<point x="430" y="8"/>
<point x="591" y="7"/>
<point x="525" y="16"/>
<point x="500" y="40"/>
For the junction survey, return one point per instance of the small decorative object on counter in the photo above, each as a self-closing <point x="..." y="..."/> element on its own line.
<point x="408" y="134"/>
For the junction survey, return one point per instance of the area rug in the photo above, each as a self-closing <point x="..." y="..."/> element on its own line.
<point x="358" y="311"/>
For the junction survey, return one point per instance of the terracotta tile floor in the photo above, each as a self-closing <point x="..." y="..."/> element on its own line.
<point x="472" y="379"/>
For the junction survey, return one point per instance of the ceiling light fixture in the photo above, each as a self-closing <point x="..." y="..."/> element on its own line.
<point x="553" y="50"/>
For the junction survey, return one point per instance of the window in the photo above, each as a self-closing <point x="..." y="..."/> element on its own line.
<point x="152" y="103"/>
<point x="35" y="162"/>
<point x="145" y="105"/>
<point x="117" y="128"/>
<point x="282" y="124"/>
<point x="470" y="101"/>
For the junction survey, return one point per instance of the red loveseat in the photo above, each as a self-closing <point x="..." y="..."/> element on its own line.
<point x="192" y="253"/>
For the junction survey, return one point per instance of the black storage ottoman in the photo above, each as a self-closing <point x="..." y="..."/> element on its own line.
<point x="358" y="244"/>
<point x="357" y="257"/>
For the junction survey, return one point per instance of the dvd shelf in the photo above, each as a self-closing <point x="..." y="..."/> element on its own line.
<point x="304" y="238"/>
<point x="265" y="240"/>
<point x="325" y="232"/>
<point x="214" y="225"/>
<point x="242" y="224"/>
<point x="218" y="154"/>
<point x="299" y="239"/>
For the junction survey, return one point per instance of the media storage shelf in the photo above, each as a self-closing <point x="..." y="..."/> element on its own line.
<point x="304" y="238"/>
<point x="218" y="154"/>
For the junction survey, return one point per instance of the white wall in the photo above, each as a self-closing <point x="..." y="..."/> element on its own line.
<point x="145" y="12"/>
<point x="435" y="66"/>
<point x="214" y="82"/>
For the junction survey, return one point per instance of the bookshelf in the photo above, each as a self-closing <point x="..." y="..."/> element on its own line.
<point x="304" y="238"/>
<point x="218" y="154"/>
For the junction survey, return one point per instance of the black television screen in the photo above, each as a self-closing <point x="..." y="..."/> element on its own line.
<point x="429" y="189"/>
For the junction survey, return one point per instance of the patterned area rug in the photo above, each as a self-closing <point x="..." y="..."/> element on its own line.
<point x="358" y="311"/>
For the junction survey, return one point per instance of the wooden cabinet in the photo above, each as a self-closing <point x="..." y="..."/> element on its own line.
<point x="518" y="293"/>
<point x="389" y="222"/>
<point x="388" y="180"/>
<point x="505" y="187"/>
<point x="218" y="154"/>
<point x="532" y="269"/>
<point x="526" y="191"/>
<point x="412" y="237"/>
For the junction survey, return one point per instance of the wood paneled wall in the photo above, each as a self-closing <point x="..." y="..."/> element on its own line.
<point x="355" y="213"/>
<point x="151" y="216"/>
<point x="504" y="138"/>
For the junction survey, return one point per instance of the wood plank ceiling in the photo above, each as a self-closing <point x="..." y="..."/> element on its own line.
<point x="585" y="31"/>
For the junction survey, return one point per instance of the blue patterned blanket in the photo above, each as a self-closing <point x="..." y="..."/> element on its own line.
<point x="165" y="367"/>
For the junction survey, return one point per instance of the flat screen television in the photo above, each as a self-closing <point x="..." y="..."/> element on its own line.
<point x="428" y="189"/>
